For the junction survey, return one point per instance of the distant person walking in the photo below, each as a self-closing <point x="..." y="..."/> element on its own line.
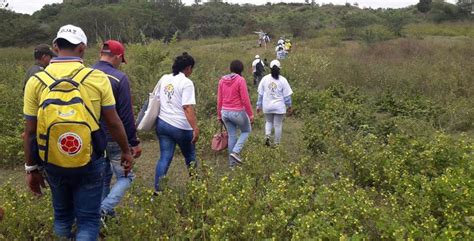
<point x="281" y="52"/>
<point x="258" y="70"/>
<point x="176" y="123"/>
<point x="288" y="45"/>
<point x="281" y="41"/>
<point x="62" y="107"/>
<point x="112" y="55"/>
<point x="234" y="110"/>
<point x="274" y="99"/>
<point x="43" y="55"/>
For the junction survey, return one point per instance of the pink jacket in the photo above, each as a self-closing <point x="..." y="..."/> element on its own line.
<point x="232" y="94"/>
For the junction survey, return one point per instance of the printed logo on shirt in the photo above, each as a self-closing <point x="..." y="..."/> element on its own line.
<point x="169" y="91"/>
<point x="273" y="88"/>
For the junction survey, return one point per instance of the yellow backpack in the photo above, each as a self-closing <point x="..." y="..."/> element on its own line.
<point x="65" y="120"/>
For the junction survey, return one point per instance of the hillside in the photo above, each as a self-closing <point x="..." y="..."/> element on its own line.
<point x="139" y="22"/>
<point x="380" y="145"/>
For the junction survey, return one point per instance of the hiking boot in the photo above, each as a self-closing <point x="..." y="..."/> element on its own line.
<point x="236" y="157"/>
<point x="267" y="141"/>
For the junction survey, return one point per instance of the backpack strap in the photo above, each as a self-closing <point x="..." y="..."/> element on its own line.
<point x="82" y="75"/>
<point x="45" y="78"/>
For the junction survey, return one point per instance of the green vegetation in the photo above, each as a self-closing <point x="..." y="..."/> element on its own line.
<point x="139" y="21"/>
<point x="380" y="146"/>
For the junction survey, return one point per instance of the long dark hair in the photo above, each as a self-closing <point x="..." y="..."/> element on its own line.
<point x="275" y="71"/>
<point x="182" y="62"/>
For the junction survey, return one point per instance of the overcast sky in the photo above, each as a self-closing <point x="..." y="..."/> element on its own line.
<point x="30" y="6"/>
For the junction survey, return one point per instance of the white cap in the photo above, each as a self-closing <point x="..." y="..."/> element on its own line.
<point x="275" y="63"/>
<point x="72" y="34"/>
<point x="257" y="56"/>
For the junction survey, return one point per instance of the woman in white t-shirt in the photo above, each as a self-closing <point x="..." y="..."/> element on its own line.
<point x="176" y="123"/>
<point x="274" y="98"/>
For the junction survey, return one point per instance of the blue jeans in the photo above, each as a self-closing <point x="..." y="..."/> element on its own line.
<point x="77" y="194"/>
<point x="234" y="120"/>
<point x="112" y="197"/>
<point x="169" y="136"/>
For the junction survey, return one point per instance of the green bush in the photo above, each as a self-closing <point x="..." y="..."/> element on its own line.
<point x="376" y="33"/>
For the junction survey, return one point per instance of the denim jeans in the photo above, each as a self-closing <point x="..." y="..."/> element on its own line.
<point x="112" y="197"/>
<point x="234" y="120"/>
<point x="77" y="194"/>
<point x="274" y="121"/>
<point x="168" y="137"/>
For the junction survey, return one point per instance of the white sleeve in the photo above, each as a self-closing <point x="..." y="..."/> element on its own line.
<point x="261" y="86"/>
<point x="188" y="97"/>
<point x="287" y="91"/>
<point x="157" y="88"/>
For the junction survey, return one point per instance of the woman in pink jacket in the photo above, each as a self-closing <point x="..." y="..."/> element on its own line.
<point x="234" y="110"/>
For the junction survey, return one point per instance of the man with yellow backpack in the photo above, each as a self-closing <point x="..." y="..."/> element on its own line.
<point x="63" y="107"/>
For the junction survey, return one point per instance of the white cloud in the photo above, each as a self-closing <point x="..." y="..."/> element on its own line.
<point x="29" y="7"/>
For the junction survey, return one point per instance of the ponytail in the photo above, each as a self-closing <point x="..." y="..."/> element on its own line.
<point x="275" y="71"/>
<point x="182" y="62"/>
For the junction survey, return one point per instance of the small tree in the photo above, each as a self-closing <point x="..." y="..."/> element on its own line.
<point x="355" y="21"/>
<point x="424" y="6"/>
<point x="396" y="21"/>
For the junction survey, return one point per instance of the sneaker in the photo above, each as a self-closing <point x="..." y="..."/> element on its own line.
<point x="236" y="157"/>
<point x="103" y="219"/>
<point x="155" y="195"/>
<point x="267" y="141"/>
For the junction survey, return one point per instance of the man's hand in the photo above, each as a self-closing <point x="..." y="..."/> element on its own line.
<point x="195" y="136"/>
<point x="126" y="162"/>
<point x="35" y="182"/>
<point x="115" y="126"/>
<point x="136" y="151"/>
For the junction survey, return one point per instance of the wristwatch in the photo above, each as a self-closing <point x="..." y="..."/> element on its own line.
<point x="29" y="169"/>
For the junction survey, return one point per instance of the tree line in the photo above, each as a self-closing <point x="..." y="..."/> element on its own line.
<point x="140" y="21"/>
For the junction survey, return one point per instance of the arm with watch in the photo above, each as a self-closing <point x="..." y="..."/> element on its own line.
<point x="34" y="177"/>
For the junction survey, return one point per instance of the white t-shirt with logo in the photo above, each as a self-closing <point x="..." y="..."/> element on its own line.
<point x="274" y="92"/>
<point x="175" y="92"/>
